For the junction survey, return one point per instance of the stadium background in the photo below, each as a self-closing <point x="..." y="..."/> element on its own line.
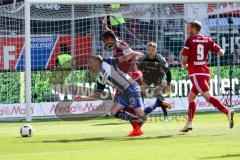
<point x="51" y="25"/>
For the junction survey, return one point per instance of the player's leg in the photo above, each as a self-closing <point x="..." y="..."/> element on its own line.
<point x="139" y="112"/>
<point x="160" y="102"/>
<point x="126" y="109"/>
<point x="136" y="126"/>
<point x="163" y="103"/>
<point x="150" y="108"/>
<point x="131" y="111"/>
<point x="138" y="77"/>
<point x="138" y="131"/>
<point x="218" y="104"/>
<point x="117" y="111"/>
<point x="191" y="112"/>
<point x="191" y="108"/>
<point x="132" y="97"/>
<point x="157" y="93"/>
<point x="136" y="103"/>
<point x="215" y="102"/>
<point x="202" y="84"/>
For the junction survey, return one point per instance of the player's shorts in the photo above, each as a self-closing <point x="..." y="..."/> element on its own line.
<point x="131" y="97"/>
<point x="153" y="78"/>
<point x="135" y="75"/>
<point x="156" y="81"/>
<point x="200" y="83"/>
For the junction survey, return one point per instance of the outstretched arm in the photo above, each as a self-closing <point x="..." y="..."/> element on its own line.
<point x="131" y="55"/>
<point x="104" y="24"/>
<point x="93" y="97"/>
<point x="97" y="94"/>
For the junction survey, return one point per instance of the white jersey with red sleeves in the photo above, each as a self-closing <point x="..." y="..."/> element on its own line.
<point x="196" y="49"/>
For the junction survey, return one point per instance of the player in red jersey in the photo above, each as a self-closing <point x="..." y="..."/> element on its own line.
<point x="194" y="59"/>
<point x="119" y="48"/>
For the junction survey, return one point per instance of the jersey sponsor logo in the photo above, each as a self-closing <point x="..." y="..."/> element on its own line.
<point x="199" y="63"/>
<point x="200" y="40"/>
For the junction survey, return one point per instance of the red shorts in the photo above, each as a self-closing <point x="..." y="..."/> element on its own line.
<point x="200" y="83"/>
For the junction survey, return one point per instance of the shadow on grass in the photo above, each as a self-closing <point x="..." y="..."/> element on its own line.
<point x="200" y="135"/>
<point x="107" y="139"/>
<point x="109" y="124"/>
<point x="223" y="156"/>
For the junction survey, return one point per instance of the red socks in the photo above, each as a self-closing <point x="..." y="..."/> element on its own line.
<point x="191" y="111"/>
<point x="133" y="123"/>
<point x="216" y="103"/>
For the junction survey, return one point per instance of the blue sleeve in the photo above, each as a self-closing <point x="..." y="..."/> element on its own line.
<point x="111" y="61"/>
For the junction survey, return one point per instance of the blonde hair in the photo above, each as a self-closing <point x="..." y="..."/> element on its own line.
<point x="152" y="44"/>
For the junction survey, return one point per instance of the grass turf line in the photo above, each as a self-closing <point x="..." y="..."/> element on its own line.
<point x="106" y="139"/>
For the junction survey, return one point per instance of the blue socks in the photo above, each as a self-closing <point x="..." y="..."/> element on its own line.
<point x="126" y="116"/>
<point x="149" y="109"/>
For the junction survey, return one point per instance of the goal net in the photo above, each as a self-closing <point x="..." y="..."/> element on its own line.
<point x="69" y="34"/>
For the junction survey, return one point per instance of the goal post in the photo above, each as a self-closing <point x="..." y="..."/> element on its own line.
<point x="28" y="78"/>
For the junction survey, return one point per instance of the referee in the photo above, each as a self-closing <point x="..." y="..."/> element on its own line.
<point x="154" y="68"/>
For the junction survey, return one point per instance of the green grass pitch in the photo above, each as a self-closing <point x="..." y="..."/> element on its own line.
<point x="105" y="139"/>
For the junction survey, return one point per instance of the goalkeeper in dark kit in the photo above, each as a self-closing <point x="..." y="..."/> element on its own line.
<point x="154" y="68"/>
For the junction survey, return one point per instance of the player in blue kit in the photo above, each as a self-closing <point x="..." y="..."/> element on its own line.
<point x="110" y="74"/>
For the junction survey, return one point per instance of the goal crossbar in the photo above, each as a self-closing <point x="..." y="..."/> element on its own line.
<point x="123" y="2"/>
